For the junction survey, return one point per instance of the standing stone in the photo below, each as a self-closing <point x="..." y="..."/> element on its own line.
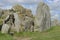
<point x="17" y="22"/>
<point x="11" y="24"/>
<point x="8" y="24"/>
<point x="5" y="28"/>
<point x="42" y="19"/>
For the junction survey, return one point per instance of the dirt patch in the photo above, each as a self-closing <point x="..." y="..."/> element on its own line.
<point x="22" y="38"/>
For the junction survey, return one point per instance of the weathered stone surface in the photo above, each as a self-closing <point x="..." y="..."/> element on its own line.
<point x="8" y="24"/>
<point x="23" y="13"/>
<point x="18" y="8"/>
<point x="42" y="18"/>
<point x="5" y="28"/>
<point x="17" y="22"/>
<point x="18" y="19"/>
<point x="29" y="24"/>
<point x="28" y="12"/>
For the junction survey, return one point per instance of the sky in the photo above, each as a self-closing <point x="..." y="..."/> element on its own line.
<point x="32" y="4"/>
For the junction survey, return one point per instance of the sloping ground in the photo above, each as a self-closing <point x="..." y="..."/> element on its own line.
<point x="5" y="37"/>
<point x="51" y="34"/>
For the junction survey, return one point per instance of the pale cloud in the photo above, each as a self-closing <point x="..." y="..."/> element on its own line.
<point x="7" y="7"/>
<point x="54" y="1"/>
<point x="12" y="2"/>
<point x="22" y="1"/>
<point x="54" y="4"/>
<point x="56" y="16"/>
<point x="55" y="8"/>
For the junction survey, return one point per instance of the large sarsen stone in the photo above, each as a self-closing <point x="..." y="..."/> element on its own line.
<point x="42" y="18"/>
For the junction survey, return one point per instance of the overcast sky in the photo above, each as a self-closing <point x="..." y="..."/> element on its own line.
<point x="32" y="4"/>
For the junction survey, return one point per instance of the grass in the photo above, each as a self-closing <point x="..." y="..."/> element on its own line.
<point x="51" y="34"/>
<point x="5" y="37"/>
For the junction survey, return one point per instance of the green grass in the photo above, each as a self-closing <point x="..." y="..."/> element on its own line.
<point x="51" y="34"/>
<point x="5" y="37"/>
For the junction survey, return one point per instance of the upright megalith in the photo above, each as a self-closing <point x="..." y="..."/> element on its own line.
<point x="8" y="23"/>
<point x="42" y="18"/>
<point x="11" y="24"/>
<point x="17" y="23"/>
